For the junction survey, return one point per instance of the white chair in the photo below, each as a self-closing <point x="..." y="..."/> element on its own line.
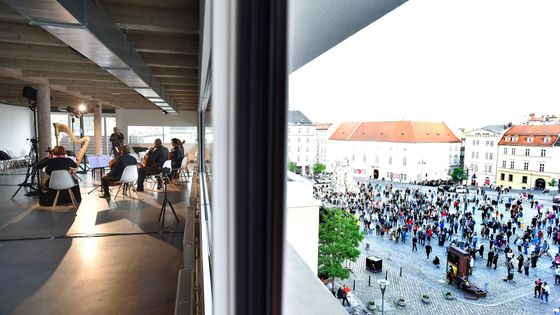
<point x="182" y="170"/>
<point x="154" y="178"/>
<point x="128" y="177"/>
<point x="62" y="180"/>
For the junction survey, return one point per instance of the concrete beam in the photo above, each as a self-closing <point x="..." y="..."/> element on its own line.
<point x="175" y="73"/>
<point x="37" y="52"/>
<point x="168" y="4"/>
<point x="166" y="44"/>
<point x="179" y="81"/>
<point x="73" y="83"/>
<point x="27" y="34"/>
<point x="48" y="65"/>
<point x="8" y="14"/>
<point x="170" y="61"/>
<point x="103" y="77"/>
<point x="129" y="17"/>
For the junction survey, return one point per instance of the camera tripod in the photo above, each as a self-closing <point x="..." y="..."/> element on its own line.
<point x="32" y="174"/>
<point x="161" y="217"/>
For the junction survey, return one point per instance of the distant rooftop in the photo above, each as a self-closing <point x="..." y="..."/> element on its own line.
<point x="496" y="128"/>
<point x="396" y="131"/>
<point x="323" y="126"/>
<point x="298" y="118"/>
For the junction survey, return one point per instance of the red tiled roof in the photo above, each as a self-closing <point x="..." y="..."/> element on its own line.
<point x="521" y="133"/>
<point x="323" y="126"/>
<point x="396" y="131"/>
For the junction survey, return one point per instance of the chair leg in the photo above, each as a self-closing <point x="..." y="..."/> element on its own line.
<point x="117" y="194"/>
<point x="73" y="198"/>
<point x="56" y="199"/>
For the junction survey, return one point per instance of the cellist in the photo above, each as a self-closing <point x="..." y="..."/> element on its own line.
<point x="156" y="157"/>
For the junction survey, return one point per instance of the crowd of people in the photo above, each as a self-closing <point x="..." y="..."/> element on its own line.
<point x="473" y="222"/>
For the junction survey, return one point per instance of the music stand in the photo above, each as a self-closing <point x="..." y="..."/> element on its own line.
<point x="161" y="218"/>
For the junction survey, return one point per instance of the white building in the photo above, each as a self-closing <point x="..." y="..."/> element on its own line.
<point x="481" y="153"/>
<point x="406" y="151"/>
<point x="324" y="131"/>
<point x="302" y="142"/>
<point x="529" y="157"/>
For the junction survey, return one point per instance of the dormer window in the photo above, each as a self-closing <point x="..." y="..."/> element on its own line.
<point x="547" y="140"/>
<point x="514" y="139"/>
<point x="529" y="139"/>
<point x="508" y="139"/>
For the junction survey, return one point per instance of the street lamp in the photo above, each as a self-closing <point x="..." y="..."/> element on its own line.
<point x="382" y="286"/>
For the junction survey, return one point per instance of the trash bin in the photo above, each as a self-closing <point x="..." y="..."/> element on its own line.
<point x="374" y="263"/>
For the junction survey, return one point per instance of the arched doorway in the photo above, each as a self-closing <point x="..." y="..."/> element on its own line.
<point x="375" y="174"/>
<point x="540" y="184"/>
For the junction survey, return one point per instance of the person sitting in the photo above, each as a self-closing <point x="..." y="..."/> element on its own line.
<point x="436" y="261"/>
<point x="176" y="156"/>
<point x="57" y="160"/>
<point x="463" y="282"/>
<point x="155" y="158"/>
<point x="124" y="160"/>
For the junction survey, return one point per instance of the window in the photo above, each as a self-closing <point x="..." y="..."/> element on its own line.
<point x="364" y="158"/>
<point x="514" y="139"/>
<point x="510" y="177"/>
<point x="512" y="151"/>
<point x="487" y="143"/>
<point x="477" y="142"/>
<point x="473" y="142"/>
<point x="541" y="167"/>
<point x="547" y="140"/>
<point x="529" y="139"/>
<point x="144" y="134"/>
<point x="476" y="154"/>
<point x="503" y="163"/>
<point x="489" y="168"/>
<point x="524" y="180"/>
<point x="527" y="152"/>
<point x="472" y="154"/>
<point x="299" y="140"/>
<point x="404" y="161"/>
<point x="543" y="152"/>
<point x="486" y="155"/>
<point x="299" y="131"/>
<point x="502" y="176"/>
<point x="511" y="164"/>
<point x="505" y="150"/>
<point x="390" y="160"/>
<point x="491" y="143"/>
<point x="508" y="139"/>
<point x="490" y="155"/>
<point x="526" y="166"/>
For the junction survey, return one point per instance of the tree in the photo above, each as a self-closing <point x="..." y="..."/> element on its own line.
<point x="553" y="183"/>
<point x="292" y="167"/>
<point x="319" y="168"/>
<point x="459" y="174"/>
<point x="339" y="238"/>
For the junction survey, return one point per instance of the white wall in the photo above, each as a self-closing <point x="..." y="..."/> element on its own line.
<point x="302" y="220"/>
<point x="16" y="125"/>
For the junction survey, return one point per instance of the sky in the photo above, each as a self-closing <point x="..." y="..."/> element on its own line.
<point x="468" y="63"/>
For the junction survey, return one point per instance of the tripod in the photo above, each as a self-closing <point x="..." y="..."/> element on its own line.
<point x="161" y="218"/>
<point x="32" y="174"/>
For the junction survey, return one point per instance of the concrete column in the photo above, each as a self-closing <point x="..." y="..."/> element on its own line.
<point x="44" y="125"/>
<point x="97" y="134"/>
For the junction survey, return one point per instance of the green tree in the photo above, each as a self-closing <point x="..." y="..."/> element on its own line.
<point x="339" y="238"/>
<point x="553" y="183"/>
<point x="459" y="174"/>
<point x="319" y="168"/>
<point x="292" y="167"/>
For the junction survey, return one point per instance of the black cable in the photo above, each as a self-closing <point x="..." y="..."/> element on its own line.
<point x="88" y="235"/>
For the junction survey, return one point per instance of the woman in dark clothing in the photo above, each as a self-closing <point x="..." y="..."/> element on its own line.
<point x="176" y="156"/>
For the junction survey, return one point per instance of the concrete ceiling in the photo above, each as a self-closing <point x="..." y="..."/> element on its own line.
<point x="163" y="32"/>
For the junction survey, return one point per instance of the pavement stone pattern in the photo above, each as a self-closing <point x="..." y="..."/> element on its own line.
<point x="419" y="276"/>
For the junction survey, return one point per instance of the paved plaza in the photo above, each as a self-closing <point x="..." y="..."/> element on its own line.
<point x="420" y="276"/>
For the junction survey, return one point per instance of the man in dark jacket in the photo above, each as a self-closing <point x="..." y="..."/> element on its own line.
<point x="116" y="171"/>
<point x="156" y="157"/>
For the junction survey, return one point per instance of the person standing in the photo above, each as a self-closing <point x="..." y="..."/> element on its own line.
<point x="520" y="260"/>
<point x="414" y="241"/>
<point x="538" y="286"/>
<point x="545" y="290"/>
<point x="557" y="276"/>
<point x="490" y="258"/>
<point x="495" y="260"/>
<point x="117" y="141"/>
<point x="526" y="265"/>
<point x="428" y="248"/>
<point x="346" y="291"/>
<point x="340" y="294"/>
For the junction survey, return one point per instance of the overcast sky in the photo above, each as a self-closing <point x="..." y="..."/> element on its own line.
<point x="466" y="62"/>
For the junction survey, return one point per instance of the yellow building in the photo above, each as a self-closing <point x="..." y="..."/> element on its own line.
<point x="529" y="157"/>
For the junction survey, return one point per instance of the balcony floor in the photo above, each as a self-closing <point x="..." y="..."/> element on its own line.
<point x="104" y="258"/>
